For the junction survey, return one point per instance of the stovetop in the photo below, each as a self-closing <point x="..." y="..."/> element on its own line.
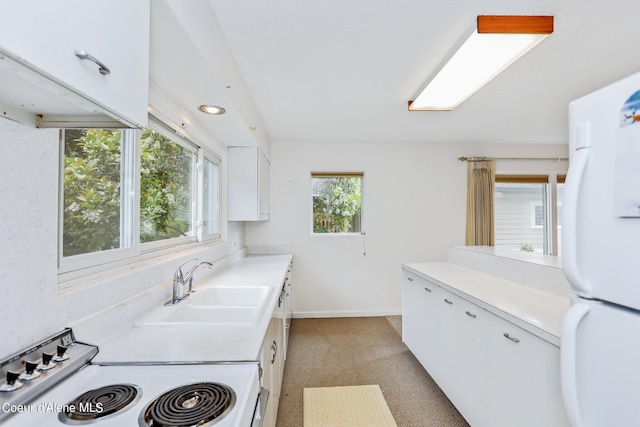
<point x="151" y="381"/>
<point x="54" y="383"/>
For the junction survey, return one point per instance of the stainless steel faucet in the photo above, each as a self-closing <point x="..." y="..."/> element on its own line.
<point x="180" y="281"/>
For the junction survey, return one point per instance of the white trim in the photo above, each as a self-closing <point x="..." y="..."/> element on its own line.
<point x="333" y="314"/>
<point x="104" y="268"/>
<point x="97" y="277"/>
<point x="206" y="155"/>
<point x="79" y="262"/>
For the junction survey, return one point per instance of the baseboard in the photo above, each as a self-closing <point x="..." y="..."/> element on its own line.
<point x="329" y="314"/>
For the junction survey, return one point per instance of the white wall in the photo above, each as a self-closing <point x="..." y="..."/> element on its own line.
<point x="32" y="306"/>
<point x="414" y="201"/>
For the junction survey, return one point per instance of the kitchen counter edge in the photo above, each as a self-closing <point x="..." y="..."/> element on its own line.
<point x="537" y="312"/>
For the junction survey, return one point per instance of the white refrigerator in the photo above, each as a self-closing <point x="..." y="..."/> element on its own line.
<point x="600" y="350"/>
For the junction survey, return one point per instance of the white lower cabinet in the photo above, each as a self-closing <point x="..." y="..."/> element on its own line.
<point x="493" y="380"/>
<point x="272" y="354"/>
<point x="524" y="378"/>
<point x="272" y="369"/>
<point x="420" y="328"/>
<point x="463" y="356"/>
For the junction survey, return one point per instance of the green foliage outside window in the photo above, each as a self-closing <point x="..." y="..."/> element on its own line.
<point x="92" y="199"/>
<point x="336" y="204"/>
<point x="91" y="191"/>
<point x="165" y="188"/>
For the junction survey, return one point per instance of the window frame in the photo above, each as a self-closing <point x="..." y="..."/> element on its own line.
<point x="204" y="155"/>
<point x="338" y="175"/>
<point x="168" y="133"/>
<point x="81" y="261"/>
<point x="74" y="267"/>
<point x="550" y="183"/>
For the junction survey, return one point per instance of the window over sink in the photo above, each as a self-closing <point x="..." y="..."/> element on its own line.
<point x="125" y="193"/>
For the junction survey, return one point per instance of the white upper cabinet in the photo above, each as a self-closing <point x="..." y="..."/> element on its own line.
<point x="76" y="58"/>
<point x="249" y="174"/>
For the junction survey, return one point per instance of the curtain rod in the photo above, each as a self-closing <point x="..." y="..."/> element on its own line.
<point x="475" y="159"/>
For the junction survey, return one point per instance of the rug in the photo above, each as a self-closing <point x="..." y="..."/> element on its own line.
<point x="353" y="406"/>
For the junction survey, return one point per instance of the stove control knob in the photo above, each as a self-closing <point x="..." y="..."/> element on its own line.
<point x="61" y="354"/>
<point x="47" y="363"/>
<point x="12" y="382"/>
<point x="30" y="371"/>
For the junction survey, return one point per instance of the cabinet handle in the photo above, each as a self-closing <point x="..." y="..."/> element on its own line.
<point x="104" y="70"/>
<point x="427" y="289"/>
<point x="514" y="339"/>
<point x="274" y="347"/>
<point x="470" y="314"/>
<point x="410" y="279"/>
<point x="448" y="301"/>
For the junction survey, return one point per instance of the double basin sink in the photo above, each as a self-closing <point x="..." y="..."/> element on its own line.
<point x="212" y="306"/>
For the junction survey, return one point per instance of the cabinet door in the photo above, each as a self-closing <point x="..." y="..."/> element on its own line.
<point x="45" y="35"/>
<point x="420" y="320"/>
<point x="462" y="356"/>
<point x="286" y="314"/>
<point x="264" y="185"/>
<point x="248" y="182"/>
<point x="271" y="378"/>
<point x="523" y="373"/>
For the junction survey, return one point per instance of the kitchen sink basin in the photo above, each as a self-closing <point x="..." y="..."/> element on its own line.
<point x="220" y="305"/>
<point x="200" y="316"/>
<point x="236" y="296"/>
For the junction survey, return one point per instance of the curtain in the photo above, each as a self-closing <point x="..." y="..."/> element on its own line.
<point x="481" y="176"/>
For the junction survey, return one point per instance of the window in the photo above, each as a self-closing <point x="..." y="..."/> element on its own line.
<point x="103" y="172"/>
<point x="525" y="217"/>
<point x="167" y="188"/>
<point x="97" y="213"/>
<point x="210" y="196"/>
<point x="336" y="202"/>
<point x="537" y="215"/>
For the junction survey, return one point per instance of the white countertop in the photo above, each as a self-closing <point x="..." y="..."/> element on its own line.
<point x="538" y="312"/>
<point x="229" y="342"/>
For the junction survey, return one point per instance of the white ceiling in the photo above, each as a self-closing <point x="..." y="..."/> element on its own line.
<point x="345" y="69"/>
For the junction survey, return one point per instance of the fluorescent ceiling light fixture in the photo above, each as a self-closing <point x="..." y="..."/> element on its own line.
<point x="212" y="109"/>
<point x="497" y="43"/>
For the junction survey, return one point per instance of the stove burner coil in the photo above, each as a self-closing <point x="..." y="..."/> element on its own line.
<point x="100" y="403"/>
<point x="197" y="404"/>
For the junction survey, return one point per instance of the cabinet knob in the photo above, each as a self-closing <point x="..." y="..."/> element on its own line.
<point x="470" y="314"/>
<point x="514" y="339"/>
<point x="410" y="279"/>
<point x="448" y="301"/>
<point x="427" y="289"/>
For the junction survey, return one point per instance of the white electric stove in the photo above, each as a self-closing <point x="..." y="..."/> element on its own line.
<point x="54" y="384"/>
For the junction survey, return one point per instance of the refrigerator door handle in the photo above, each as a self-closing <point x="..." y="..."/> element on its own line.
<point x="570" y="214"/>
<point x="568" y="363"/>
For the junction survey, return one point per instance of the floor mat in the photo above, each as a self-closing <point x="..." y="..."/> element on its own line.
<point x="353" y="406"/>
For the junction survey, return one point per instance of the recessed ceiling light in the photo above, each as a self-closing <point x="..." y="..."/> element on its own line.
<point x="212" y="109"/>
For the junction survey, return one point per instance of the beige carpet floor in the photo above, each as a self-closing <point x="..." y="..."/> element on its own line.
<point x="360" y="351"/>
